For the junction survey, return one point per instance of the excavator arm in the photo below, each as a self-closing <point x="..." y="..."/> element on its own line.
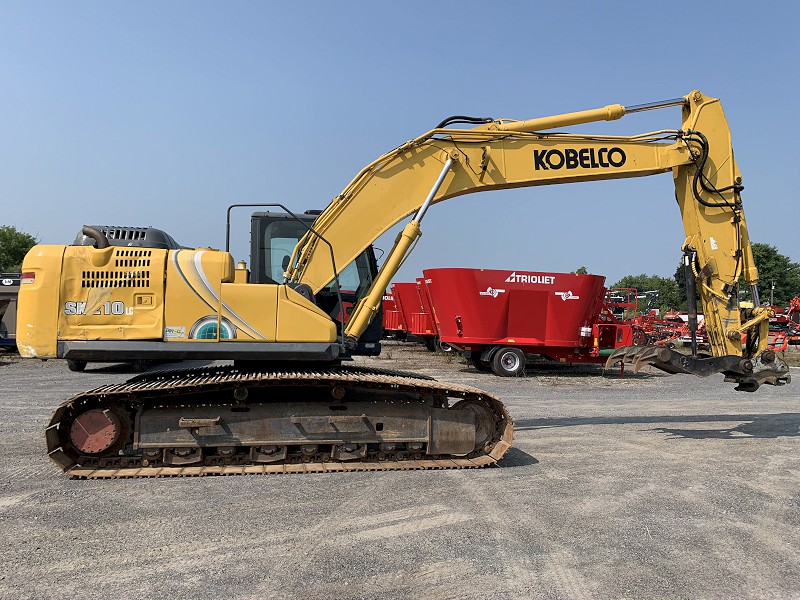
<point x="445" y="163"/>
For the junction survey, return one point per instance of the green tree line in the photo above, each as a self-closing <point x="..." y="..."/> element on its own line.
<point x="14" y="245"/>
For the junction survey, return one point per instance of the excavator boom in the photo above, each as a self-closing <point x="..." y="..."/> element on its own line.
<point x="447" y="163"/>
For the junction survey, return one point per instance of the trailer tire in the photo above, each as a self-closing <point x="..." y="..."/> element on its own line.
<point x="443" y="346"/>
<point x="476" y="361"/>
<point x="76" y="365"/>
<point x="430" y="344"/>
<point x="508" y="362"/>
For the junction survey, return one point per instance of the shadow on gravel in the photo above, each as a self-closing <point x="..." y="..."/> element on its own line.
<point x="559" y="370"/>
<point x="156" y="366"/>
<point x="4" y="363"/>
<point x="515" y="457"/>
<point x="761" y="426"/>
<point x="757" y="426"/>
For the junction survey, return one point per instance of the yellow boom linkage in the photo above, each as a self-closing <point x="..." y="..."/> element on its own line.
<point x="497" y="154"/>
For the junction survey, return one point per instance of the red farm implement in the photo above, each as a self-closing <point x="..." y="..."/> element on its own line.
<point x="784" y="327"/>
<point x="393" y="323"/>
<point x="498" y="317"/>
<point x="414" y="303"/>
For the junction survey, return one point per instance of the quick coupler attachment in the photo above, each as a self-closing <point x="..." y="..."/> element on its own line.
<point x="748" y="373"/>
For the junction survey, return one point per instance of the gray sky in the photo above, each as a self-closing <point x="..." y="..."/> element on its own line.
<point x="162" y="114"/>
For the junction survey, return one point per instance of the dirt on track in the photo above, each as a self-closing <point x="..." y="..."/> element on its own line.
<point x="647" y="486"/>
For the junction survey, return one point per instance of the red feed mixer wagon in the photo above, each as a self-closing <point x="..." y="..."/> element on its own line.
<point x="393" y="323"/>
<point x="413" y="302"/>
<point x="496" y="317"/>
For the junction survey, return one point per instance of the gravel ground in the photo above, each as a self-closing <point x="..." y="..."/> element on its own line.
<point x="643" y="487"/>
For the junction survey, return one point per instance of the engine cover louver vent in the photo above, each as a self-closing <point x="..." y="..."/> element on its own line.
<point x="126" y="273"/>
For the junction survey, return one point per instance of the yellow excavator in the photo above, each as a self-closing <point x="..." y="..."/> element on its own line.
<point x="290" y="402"/>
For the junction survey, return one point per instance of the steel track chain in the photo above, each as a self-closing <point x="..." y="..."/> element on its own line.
<point x="168" y="386"/>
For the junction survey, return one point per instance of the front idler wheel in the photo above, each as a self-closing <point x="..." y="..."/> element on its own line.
<point x="485" y="422"/>
<point x="99" y="431"/>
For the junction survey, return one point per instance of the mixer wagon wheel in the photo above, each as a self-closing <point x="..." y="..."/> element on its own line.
<point x="476" y="361"/>
<point x="508" y="362"/>
<point x="76" y="365"/>
<point x="443" y="346"/>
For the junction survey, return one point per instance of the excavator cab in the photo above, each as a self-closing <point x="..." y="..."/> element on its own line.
<point x="273" y="236"/>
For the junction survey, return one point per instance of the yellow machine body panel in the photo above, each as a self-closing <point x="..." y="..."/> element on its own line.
<point x="119" y="293"/>
<point x="116" y="293"/>
<point x="37" y="306"/>
<point x="255" y="313"/>
<point x="194" y="288"/>
<point x="301" y="321"/>
<point x="203" y="304"/>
